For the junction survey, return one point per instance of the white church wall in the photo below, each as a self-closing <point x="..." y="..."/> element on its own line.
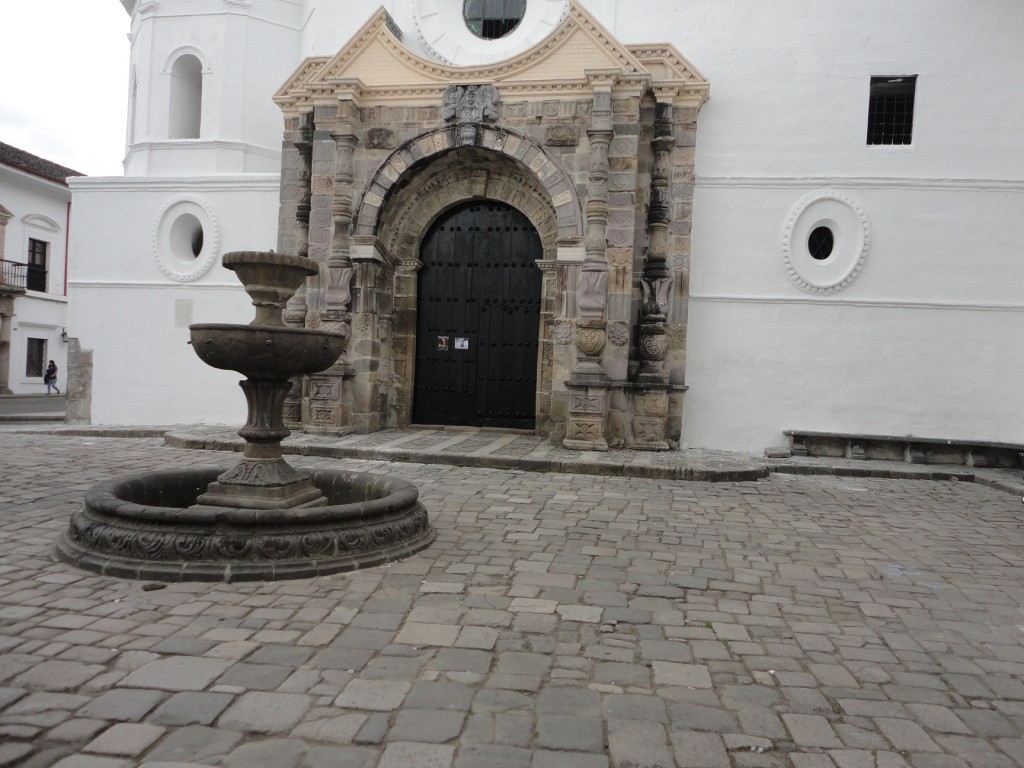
<point x="920" y="342"/>
<point x="134" y="315"/>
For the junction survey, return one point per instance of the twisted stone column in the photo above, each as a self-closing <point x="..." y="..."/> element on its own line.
<point x="588" y="384"/>
<point x="651" y="405"/>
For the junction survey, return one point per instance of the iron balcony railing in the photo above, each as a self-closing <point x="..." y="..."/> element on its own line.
<point x="14" y="276"/>
<point x="35" y="279"/>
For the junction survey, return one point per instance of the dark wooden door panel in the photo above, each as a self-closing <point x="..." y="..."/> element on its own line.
<point x="478" y="319"/>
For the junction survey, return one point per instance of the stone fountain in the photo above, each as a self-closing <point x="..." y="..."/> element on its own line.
<point x="261" y="519"/>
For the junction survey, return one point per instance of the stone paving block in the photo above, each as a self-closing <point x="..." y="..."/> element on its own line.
<point x="270" y="753"/>
<point x="568" y="732"/>
<point x="426" y="694"/>
<point x="638" y="745"/>
<point x="11" y="753"/>
<point x="684" y="675"/>
<point x="694" y="749"/>
<point x="125" y="738"/>
<point x="191" y="708"/>
<point x="92" y="761"/>
<point x="177" y="673"/>
<point x="54" y="675"/>
<point x="406" y="754"/>
<point x="193" y="744"/>
<point x="426" y="725"/>
<point x="544" y="759"/>
<point x="492" y="756"/>
<point x="258" y="677"/>
<point x="265" y="712"/>
<point x="483" y="638"/>
<point x="338" y="730"/>
<point x="461" y="660"/>
<point x="340" y="757"/>
<point x="428" y="634"/>
<point x="121" y="704"/>
<point x="811" y="731"/>
<point x="376" y="695"/>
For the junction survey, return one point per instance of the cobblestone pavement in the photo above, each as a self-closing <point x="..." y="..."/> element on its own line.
<point x="559" y="621"/>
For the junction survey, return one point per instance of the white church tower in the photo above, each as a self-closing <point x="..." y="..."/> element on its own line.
<point x="197" y="105"/>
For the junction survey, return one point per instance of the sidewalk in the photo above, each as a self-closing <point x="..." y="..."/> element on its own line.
<point x="506" y="449"/>
<point x="32" y="408"/>
<point x="559" y="621"/>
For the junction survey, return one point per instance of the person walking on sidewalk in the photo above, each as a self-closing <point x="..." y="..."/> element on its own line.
<point x="50" y="378"/>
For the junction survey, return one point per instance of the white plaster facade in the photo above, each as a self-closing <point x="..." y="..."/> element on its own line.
<point x="38" y="205"/>
<point x="922" y="340"/>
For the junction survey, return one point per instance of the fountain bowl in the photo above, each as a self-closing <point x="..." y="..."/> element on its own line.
<point x="148" y="526"/>
<point x="260" y="352"/>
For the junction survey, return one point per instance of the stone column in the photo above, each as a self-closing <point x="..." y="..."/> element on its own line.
<point x="316" y="416"/>
<point x="293" y="237"/>
<point x="6" y="314"/>
<point x="404" y="338"/>
<point x="327" y="395"/>
<point x="588" y="384"/>
<point x="652" y="403"/>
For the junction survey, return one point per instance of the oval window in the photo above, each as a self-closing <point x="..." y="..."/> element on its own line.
<point x="820" y="243"/>
<point x="186" y="237"/>
<point x="493" y="19"/>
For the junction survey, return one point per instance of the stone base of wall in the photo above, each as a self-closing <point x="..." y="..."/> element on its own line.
<point x="968" y="453"/>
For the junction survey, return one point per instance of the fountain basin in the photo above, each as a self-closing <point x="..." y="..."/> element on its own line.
<point x="260" y="352"/>
<point x="148" y="526"/>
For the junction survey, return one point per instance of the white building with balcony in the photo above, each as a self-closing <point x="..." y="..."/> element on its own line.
<point x="35" y="210"/>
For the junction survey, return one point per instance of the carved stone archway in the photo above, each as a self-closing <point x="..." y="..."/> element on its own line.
<point x="590" y="138"/>
<point x="411" y="203"/>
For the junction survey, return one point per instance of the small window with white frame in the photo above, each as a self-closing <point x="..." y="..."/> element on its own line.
<point x="891" y="110"/>
<point x="35" y="357"/>
<point x="38" y="258"/>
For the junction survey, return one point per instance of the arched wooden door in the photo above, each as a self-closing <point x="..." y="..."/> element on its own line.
<point x="478" y="319"/>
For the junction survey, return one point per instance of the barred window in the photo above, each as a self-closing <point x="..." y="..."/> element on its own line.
<point x="35" y="358"/>
<point x="38" y="255"/>
<point x="891" y="110"/>
<point x="493" y="19"/>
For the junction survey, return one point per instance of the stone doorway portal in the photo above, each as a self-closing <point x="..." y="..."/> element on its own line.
<point x="478" y="319"/>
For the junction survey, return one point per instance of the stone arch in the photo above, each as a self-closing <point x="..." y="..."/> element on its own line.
<point x="432" y="173"/>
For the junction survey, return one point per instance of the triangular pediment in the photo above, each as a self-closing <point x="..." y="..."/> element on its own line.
<point x="375" y="66"/>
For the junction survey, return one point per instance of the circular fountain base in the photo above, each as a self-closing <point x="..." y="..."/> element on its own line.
<point x="148" y="526"/>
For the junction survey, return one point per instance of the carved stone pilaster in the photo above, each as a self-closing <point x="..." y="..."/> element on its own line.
<point x="293" y="237"/>
<point x="338" y="296"/>
<point x="588" y="415"/>
<point x="592" y="297"/>
<point x="650" y="420"/>
<point x="656" y="279"/>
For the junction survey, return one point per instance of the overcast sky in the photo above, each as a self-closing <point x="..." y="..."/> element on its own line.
<point x="64" y="81"/>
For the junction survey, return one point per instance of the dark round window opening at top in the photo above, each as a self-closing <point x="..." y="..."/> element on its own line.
<point x="820" y="243"/>
<point x="493" y="19"/>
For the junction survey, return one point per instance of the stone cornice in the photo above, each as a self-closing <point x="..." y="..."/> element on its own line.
<point x="593" y="58"/>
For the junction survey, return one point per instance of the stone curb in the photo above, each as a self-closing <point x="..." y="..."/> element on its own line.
<point x="609" y="469"/>
<point x="1002" y="481"/>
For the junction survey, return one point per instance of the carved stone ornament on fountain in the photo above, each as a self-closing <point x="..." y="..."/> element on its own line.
<point x="262" y="519"/>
